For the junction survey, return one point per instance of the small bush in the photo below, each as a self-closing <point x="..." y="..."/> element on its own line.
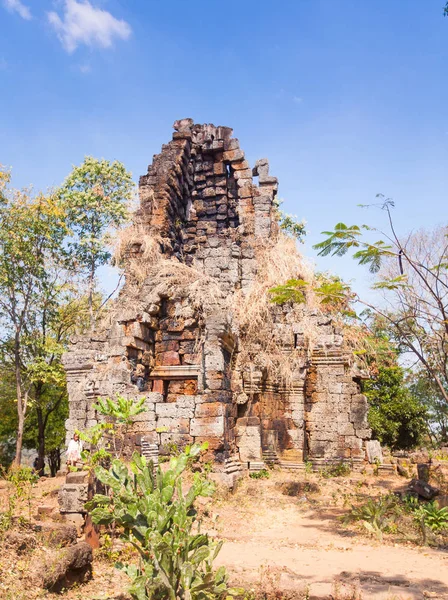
<point x="432" y="516"/>
<point x="377" y="515"/>
<point x="341" y="469"/>
<point x="262" y="474"/>
<point x="296" y="488"/>
<point x="23" y="480"/>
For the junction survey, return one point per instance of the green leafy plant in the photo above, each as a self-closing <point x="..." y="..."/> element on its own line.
<point x="123" y="411"/>
<point x="376" y="515"/>
<point x="290" y="224"/>
<point x="23" y="480"/>
<point x="103" y="437"/>
<point x="411" y="503"/>
<point x="98" y="451"/>
<point x="159" y="520"/>
<point x="291" y="291"/>
<point x="261" y="474"/>
<point x="432" y="516"/>
<point x="340" y="469"/>
<point x="308" y="467"/>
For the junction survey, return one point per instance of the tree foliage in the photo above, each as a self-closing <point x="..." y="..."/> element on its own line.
<point x="290" y="224"/>
<point x="412" y="274"/>
<point x="48" y="243"/>
<point x="32" y="231"/>
<point x="396" y="417"/>
<point x="95" y="195"/>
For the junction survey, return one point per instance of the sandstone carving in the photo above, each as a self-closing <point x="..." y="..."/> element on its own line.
<point x="193" y="332"/>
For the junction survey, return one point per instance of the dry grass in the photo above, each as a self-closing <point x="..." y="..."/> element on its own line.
<point x="262" y="326"/>
<point x="137" y="251"/>
<point x="141" y="255"/>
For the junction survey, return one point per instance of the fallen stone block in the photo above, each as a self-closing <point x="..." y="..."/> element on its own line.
<point x="423" y="471"/>
<point x="65" y="568"/>
<point x="56" y="535"/>
<point x="45" y="510"/>
<point x="423" y="489"/>
<point x="20" y="542"/>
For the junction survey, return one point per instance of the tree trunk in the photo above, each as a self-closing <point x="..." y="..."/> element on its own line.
<point x="54" y="461"/>
<point x="19" y="439"/>
<point x="21" y="402"/>
<point x="91" y="286"/>
<point x="40" y="441"/>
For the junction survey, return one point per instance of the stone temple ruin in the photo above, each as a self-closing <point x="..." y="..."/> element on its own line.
<point x="197" y="249"/>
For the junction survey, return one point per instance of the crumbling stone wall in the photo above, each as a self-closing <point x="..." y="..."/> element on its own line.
<point x="200" y="202"/>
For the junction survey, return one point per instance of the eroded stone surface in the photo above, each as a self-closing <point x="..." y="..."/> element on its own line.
<point x="201" y="207"/>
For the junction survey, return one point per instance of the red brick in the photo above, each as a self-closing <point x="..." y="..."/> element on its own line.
<point x="170" y="359"/>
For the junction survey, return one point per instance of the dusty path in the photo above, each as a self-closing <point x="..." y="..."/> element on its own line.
<point x="310" y="548"/>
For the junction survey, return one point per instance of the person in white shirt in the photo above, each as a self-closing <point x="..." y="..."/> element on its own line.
<point x="74" y="450"/>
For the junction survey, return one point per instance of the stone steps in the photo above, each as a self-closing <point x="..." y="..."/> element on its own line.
<point x="150" y="452"/>
<point x="292" y="466"/>
<point x="256" y="466"/>
<point x="270" y="457"/>
<point x="233" y="466"/>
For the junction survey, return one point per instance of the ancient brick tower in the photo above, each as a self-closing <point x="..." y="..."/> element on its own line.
<point x="206" y="216"/>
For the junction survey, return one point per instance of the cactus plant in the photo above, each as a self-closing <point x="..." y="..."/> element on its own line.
<point x="159" y="520"/>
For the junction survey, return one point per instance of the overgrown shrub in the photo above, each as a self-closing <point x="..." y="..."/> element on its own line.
<point x="338" y="470"/>
<point x="296" y="488"/>
<point x="432" y="516"/>
<point x="159" y="520"/>
<point x="377" y="515"/>
<point x="23" y="480"/>
<point x="261" y="474"/>
<point x="396" y="416"/>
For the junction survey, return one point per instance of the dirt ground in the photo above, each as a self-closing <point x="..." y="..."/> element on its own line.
<point x="275" y="542"/>
<point x="300" y="543"/>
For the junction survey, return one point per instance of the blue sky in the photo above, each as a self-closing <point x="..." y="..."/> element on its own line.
<point x="347" y="98"/>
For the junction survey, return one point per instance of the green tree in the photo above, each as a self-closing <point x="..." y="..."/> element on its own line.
<point x="96" y="196"/>
<point x="412" y="274"/>
<point x="32" y="232"/>
<point x="396" y="416"/>
<point x="428" y="394"/>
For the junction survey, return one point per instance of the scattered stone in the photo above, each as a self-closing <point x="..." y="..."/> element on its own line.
<point x="72" y="497"/>
<point x="20" y="541"/>
<point x="56" y="534"/>
<point x="423" y="489"/>
<point x="386" y="470"/>
<point x="77" y="477"/>
<point x="76" y="519"/>
<point x="65" y="568"/>
<point x="423" y="471"/>
<point x="45" y="510"/>
<point x="374" y="452"/>
<point x="296" y="488"/>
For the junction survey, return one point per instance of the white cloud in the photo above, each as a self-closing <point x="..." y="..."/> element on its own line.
<point x="18" y="7"/>
<point x="297" y="100"/>
<point x="82" y="23"/>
